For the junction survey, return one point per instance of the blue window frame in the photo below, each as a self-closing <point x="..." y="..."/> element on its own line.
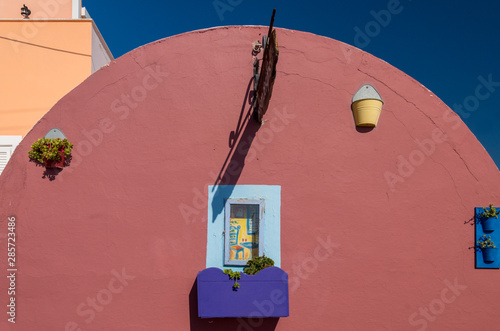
<point x="268" y="224"/>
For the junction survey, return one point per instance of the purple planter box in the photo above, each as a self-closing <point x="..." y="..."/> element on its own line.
<point x="262" y="295"/>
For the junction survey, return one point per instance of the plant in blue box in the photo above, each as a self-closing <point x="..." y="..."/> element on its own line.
<point x="488" y="218"/>
<point x="253" y="266"/>
<point x="257" y="264"/>
<point x="234" y="275"/>
<point x="488" y="248"/>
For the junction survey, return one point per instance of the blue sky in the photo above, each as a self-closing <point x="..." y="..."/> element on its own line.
<point x="451" y="47"/>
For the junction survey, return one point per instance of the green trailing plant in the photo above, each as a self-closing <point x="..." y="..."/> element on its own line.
<point x="257" y="264"/>
<point x="486" y="242"/>
<point x="490" y="212"/>
<point x="234" y="275"/>
<point x="48" y="149"/>
<point x="253" y="266"/>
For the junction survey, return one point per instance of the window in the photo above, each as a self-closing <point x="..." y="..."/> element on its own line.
<point x="243" y="219"/>
<point x="7" y="146"/>
<point x="255" y="231"/>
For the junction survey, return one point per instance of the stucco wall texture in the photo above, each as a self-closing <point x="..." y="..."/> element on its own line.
<point x="375" y="224"/>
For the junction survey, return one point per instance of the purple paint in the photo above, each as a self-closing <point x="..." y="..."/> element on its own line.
<point x="262" y="295"/>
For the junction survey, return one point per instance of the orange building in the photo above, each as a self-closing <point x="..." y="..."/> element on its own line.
<point x="44" y="56"/>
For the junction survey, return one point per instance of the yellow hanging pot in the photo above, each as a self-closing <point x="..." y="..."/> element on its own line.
<point x="367" y="106"/>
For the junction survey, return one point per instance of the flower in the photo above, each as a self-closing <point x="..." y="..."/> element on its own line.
<point x="45" y="149"/>
<point x="486" y="242"/>
<point x="490" y="212"/>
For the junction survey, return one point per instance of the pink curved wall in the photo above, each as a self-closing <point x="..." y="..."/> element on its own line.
<point x="375" y="234"/>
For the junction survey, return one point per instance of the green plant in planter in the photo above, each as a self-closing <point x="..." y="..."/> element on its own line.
<point x="257" y="264"/>
<point x="490" y="211"/>
<point x="48" y="149"/>
<point x="253" y="266"/>
<point x="486" y="242"/>
<point x="233" y="275"/>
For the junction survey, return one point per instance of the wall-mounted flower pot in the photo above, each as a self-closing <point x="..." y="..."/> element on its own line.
<point x="483" y="258"/>
<point x="489" y="224"/>
<point x="367" y="112"/>
<point x="262" y="295"/>
<point x="489" y="254"/>
<point x="366" y="106"/>
<point x="45" y="150"/>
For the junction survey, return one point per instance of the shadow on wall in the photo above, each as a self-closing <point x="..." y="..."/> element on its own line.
<point x="240" y="141"/>
<point x="51" y="173"/>
<point x="364" y="129"/>
<point x="225" y="324"/>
